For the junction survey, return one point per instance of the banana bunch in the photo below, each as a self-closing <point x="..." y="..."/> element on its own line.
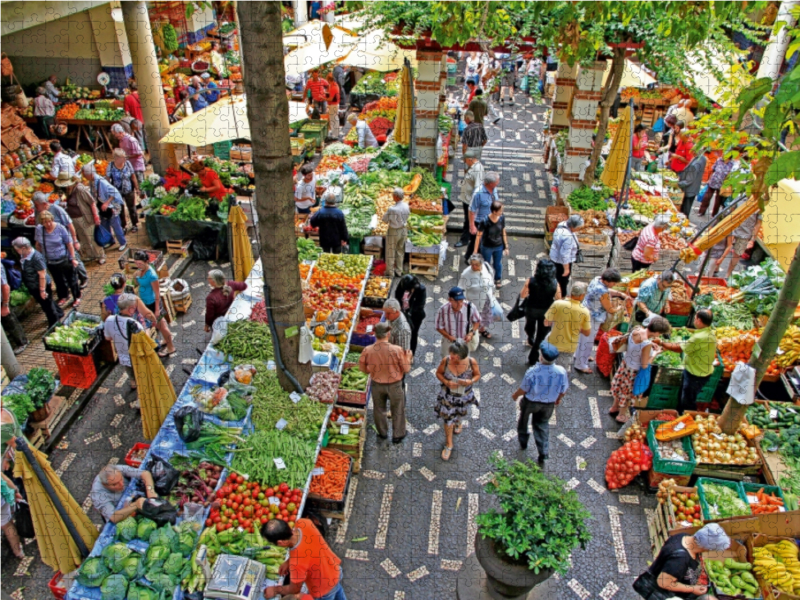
<point x="790" y="346"/>
<point x="777" y="564"/>
<point x="688" y="254"/>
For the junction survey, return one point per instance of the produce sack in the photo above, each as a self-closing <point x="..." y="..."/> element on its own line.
<point x="165" y="476"/>
<point x="159" y="511"/>
<point x="102" y="236"/>
<point x="189" y="423"/>
<point x="626" y="463"/>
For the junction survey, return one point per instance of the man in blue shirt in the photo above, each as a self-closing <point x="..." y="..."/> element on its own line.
<point x="211" y="90"/>
<point x="481" y="206"/>
<point x="541" y="390"/>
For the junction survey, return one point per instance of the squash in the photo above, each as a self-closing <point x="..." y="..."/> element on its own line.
<point x="319" y="331"/>
<point x="415" y="183"/>
<point x="676" y="429"/>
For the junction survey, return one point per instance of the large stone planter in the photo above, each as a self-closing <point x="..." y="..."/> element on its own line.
<point x="505" y="579"/>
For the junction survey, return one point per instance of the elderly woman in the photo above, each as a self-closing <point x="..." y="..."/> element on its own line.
<point x="564" y="250"/>
<point x="81" y="208"/>
<point x="55" y="243"/>
<point x="109" y="204"/>
<point x="221" y="296"/>
<point x="133" y="150"/>
<point x="45" y="112"/>
<point x="477" y="281"/>
<point x="638" y="356"/>
<point x="653" y="296"/>
<point x="150" y="293"/>
<point x="183" y="108"/>
<point x="648" y="247"/>
<point x="598" y="301"/>
<point x="121" y="175"/>
<point x="675" y="570"/>
<point x="457" y="372"/>
<point x="119" y="328"/>
<point x="36" y="279"/>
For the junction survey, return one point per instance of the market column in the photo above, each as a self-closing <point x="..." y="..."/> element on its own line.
<point x="428" y="90"/>
<point x="148" y="78"/>
<point x="300" y="8"/>
<point x="565" y="86"/>
<point x="583" y="119"/>
<point x="776" y="49"/>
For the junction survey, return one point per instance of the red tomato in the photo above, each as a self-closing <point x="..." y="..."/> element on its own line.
<point x="284" y="487"/>
<point x="217" y="519"/>
<point x="264" y="519"/>
<point x="239" y="479"/>
<point x="232" y="478"/>
<point x="285" y="512"/>
<point x="221" y="527"/>
<point x="209" y="522"/>
<point x="235" y="506"/>
<point x="269" y="492"/>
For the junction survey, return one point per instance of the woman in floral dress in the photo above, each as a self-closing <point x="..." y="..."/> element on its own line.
<point x="458" y="373"/>
<point x="638" y="356"/>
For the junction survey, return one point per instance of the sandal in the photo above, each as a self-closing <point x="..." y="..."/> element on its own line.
<point x="102" y="261"/>
<point x="165" y="353"/>
<point x="458" y="428"/>
<point x="586" y="372"/>
<point x="485" y="334"/>
<point x="446" y="453"/>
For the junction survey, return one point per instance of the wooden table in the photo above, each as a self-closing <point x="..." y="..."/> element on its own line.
<point x="102" y="139"/>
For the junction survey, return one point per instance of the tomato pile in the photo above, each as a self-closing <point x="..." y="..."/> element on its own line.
<point x="248" y="505"/>
<point x="365" y="322"/>
<point x="346" y="417"/>
<point x="687" y="508"/>
<point x="626" y="463"/>
<point x="322" y="298"/>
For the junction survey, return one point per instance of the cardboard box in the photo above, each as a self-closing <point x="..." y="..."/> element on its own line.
<point x="757" y="541"/>
<point x="737" y="551"/>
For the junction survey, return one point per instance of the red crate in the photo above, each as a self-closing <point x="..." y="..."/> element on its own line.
<point x="59" y="592"/>
<point x="75" y="371"/>
<point x="132" y="462"/>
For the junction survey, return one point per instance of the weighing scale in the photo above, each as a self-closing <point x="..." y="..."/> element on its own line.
<point x="233" y="577"/>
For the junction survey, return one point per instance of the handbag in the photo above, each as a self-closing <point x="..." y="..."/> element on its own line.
<point x="579" y="258"/>
<point x="518" y="310"/>
<point x="23" y="521"/>
<point x="647" y="587"/>
<point x="631" y="243"/>
<point x="102" y="236"/>
<point x="642" y="381"/>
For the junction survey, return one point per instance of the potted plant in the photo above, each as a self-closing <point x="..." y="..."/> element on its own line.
<point x="534" y="531"/>
<point x="40" y="387"/>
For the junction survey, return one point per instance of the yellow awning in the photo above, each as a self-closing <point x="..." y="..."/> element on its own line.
<point x="405" y="106"/>
<point x="633" y="76"/>
<point x="781" y="216"/>
<point x="242" y="258"/>
<point x="613" y="174"/>
<point x="375" y="52"/>
<point x="156" y="394"/>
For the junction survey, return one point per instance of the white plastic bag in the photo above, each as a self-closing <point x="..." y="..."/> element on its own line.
<point x="742" y="387"/>
<point x="219" y="330"/>
<point x="306" y="352"/>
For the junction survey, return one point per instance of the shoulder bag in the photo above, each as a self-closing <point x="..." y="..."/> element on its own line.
<point x="579" y="253"/>
<point x="646" y="585"/>
<point x="631" y="243"/>
<point x="518" y="310"/>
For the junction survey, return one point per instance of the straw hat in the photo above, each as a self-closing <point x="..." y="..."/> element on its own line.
<point x="64" y="180"/>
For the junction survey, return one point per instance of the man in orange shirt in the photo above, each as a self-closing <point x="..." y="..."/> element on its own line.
<point x="311" y="561"/>
<point x="319" y="93"/>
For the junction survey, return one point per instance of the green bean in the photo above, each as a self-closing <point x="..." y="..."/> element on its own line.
<point x="247" y="341"/>
<point x="264" y="446"/>
<point x="271" y="403"/>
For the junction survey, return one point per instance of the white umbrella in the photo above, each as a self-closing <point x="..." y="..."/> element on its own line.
<point x="375" y="52"/>
<point x="633" y="76"/>
<point x="313" y="49"/>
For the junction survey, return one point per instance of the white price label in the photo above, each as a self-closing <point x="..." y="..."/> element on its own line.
<point x="751" y="499"/>
<point x="791" y="410"/>
<point x="719" y="436"/>
<point x="280" y="425"/>
<point x="295" y="397"/>
<point x="40" y="167"/>
<point x="369" y="328"/>
<point x="344" y="429"/>
<point x="340" y="300"/>
<point x="384" y="284"/>
<point x="680" y="426"/>
<point x="279" y="464"/>
<point x="341" y="419"/>
<point x="340" y="263"/>
<point x="773" y="414"/>
<point x="274" y="500"/>
<point x="317" y="471"/>
<point x="779" y="352"/>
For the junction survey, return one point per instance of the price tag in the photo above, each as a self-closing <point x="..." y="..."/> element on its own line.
<point x="369" y="328"/>
<point x="773" y="413"/>
<point x="791" y="410"/>
<point x="317" y="471"/>
<point x="680" y="426"/>
<point x="384" y="284"/>
<point x="295" y="397"/>
<point x="341" y="419"/>
<point x="779" y="352"/>
<point x="344" y="429"/>
<point x="340" y="263"/>
<point x="270" y="365"/>
<point x="40" y="167"/>
<point x="280" y="425"/>
<point x="719" y="436"/>
<point x="274" y="500"/>
<point x="340" y="300"/>
<point x="279" y="464"/>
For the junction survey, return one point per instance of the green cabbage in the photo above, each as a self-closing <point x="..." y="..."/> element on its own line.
<point x="136" y="592"/>
<point x="115" y="587"/>
<point x="156" y="555"/>
<point x="145" y="528"/>
<point x="92" y="572"/>
<point x="161" y="581"/>
<point x="115" y="555"/>
<point x="163" y="536"/>
<point x="183" y="543"/>
<point x="173" y="564"/>
<point x="126" y="530"/>
<point x="132" y="566"/>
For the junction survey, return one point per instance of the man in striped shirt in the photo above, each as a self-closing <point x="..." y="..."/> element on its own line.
<point x="401" y="331"/>
<point x="319" y="92"/>
<point x="474" y="137"/>
<point x="458" y="320"/>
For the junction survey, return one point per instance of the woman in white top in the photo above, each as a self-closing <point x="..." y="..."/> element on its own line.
<point x="477" y="281"/>
<point x="473" y="70"/>
<point x="638" y="356"/>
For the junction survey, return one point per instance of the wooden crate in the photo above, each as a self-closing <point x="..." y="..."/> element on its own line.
<point x="179" y="247"/>
<point x="41" y="430"/>
<point x="423" y="264"/>
<point x="182" y="305"/>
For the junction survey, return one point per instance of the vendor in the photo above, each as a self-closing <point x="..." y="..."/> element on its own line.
<point x="699" y="351"/>
<point x="132" y="104"/>
<point x="217" y="61"/>
<point x="221" y="296"/>
<point x="45" y="112"/>
<point x="675" y="571"/>
<point x="50" y="88"/>
<point x="62" y="162"/>
<point x="110" y="484"/>
<point x="317" y="88"/>
<point x="365" y="135"/>
<point x="210" y="89"/>
<point x="649" y="245"/>
<point x="331" y="223"/>
<point x="305" y="191"/>
<point x="311" y="561"/>
<point x="653" y="295"/>
<point x="212" y="184"/>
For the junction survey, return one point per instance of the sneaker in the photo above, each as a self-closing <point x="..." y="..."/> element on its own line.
<point x="496" y="121"/>
<point x="123" y="248"/>
<point x="20" y="349"/>
<point x="85" y="284"/>
<point x="134" y="229"/>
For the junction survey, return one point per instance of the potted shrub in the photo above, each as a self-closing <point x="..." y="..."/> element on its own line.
<point x="534" y="531"/>
<point x="40" y="387"/>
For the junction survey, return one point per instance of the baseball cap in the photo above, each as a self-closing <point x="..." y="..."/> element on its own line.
<point x="549" y="352"/>
<point x="205" y="76"/>
<point x="456" y="293"/>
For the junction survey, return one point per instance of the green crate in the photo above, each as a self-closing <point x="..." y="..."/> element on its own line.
<point x="709" y="389"/>
<point x="222" y="150"/>
<point x="663" y="396"/>
<point x="622" y="327"/>
<point x="701" y="481"/>
<point x="355" y="244"/>
<point x="677" y="320"/>
<point x="670" y="466"/>
<point x="326" y="438"/>
<point x="768" y="489"/>
<point x="316" y="134"/>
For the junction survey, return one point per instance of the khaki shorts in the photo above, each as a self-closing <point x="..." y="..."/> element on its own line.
<point x="739" y="246"/>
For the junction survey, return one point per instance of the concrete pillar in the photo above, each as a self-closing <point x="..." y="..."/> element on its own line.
<point x="198" y="25"/>
<point x="300" y="8"/>
<point x="565" y="85"/>
<point x="111" y="44"/>
<point x="428" y="88"/>
<point x="9" y="359"/>
<point x="776" y="49"/>
<point x="148" y="78"/>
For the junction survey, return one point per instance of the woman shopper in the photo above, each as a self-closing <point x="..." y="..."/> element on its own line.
<point x="150" y="294"/>
<point x="564" y="249"/>
<point x="411" y="294"/>
<point x="638" y="356"/>
<point x="492" y="241"/>
<point x="674" y="572"/>
<point x="457" y="372"/>
<point x="9" y="497"/>
<point x="221" y="296"/>
<point x="639" y="147"/>
<point x="122" y="176"/>
<point x="36" y="279"/>
<point x="55" y="244"/>
<point x="539" y="292"/>
<point x="598" y="301"/>
<point x="477" y="281"/>
<point x="109" y="204"/>
<point x="649" y="245"/>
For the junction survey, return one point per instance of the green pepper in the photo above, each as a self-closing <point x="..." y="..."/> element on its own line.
<point x="737" y="566"/>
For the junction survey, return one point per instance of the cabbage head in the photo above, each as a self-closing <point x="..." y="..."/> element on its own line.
<point x="163" y="536"/>
<point x="173" y="564"/>
<point x="115" y="555"/>
<point x="115" y="587"/>
<point x="183" y="543"/>
<point x="156" y="555"/>
<point x="132" y="566"/>
<point x="92" y="572"/>
<point x="162" y="581"/>
<point x="137" y="592"/>
<point x="126" y="530"/>
<point x="145" y="528"/>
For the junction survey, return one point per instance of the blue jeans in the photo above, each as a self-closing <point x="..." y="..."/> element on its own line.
<point x="113" y="224"/>
<point x="337" y="593"/>
<point x="495" y="257"/>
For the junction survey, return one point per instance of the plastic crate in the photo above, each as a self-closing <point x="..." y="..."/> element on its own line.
<point x="88" y="346"/>
<point x="75" y="371"/>
<point x="663" y="396"/>
<point x="703" y="481"/>
<point x="354" y="244"/>
<point x="353" y="397"/>
<point x="768" y="489"/>
<point x="223" y="149"/>
<point x="668" y="375"/>
<point x="132" y="462"/>
<point x="670" y="466"/>
<point x="327" y="505"/>
<point x="59" y="592"/>
<point x="366" y="339"/>
<point x="677" y="320"/>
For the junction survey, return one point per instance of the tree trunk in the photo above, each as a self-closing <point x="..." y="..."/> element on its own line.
<point x="607" y="101"/>
<point x="779" y="321"/>
<point x="268" y="114"/>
